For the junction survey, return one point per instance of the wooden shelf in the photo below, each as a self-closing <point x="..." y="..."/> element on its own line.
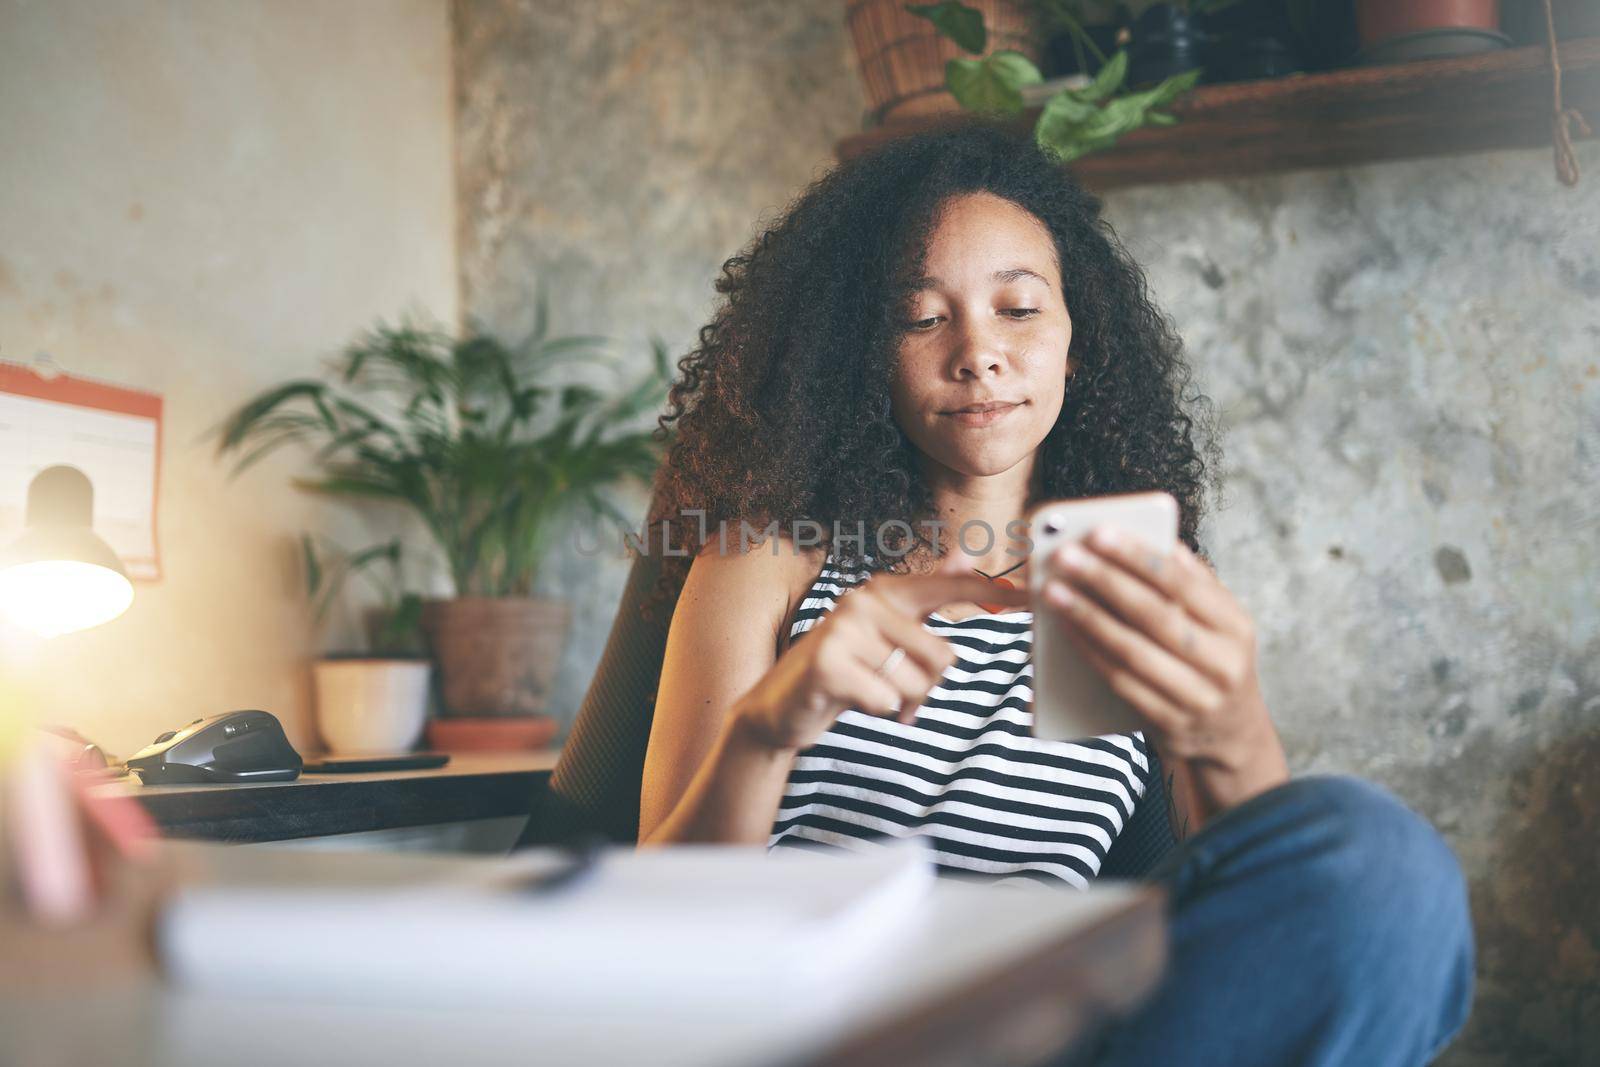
<point x="1360" y="115"/>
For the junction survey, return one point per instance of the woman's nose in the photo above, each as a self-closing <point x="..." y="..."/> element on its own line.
<point x="978" y="351"/>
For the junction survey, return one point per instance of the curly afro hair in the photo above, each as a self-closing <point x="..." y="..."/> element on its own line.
<point x="782" y="411"/>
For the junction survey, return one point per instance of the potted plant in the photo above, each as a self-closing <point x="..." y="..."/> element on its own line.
<point x="474" y="437"/>
<point x="901" y="58"/>
<point x="375" y="701"/>
<point x="1073" y="122"/>
<point x="1394" y="31"/>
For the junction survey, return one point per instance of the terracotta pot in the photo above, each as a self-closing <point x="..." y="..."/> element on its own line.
<point x="496" y="655"/>
<point x="902" y="56"/>
<point x="1379" y="20"/>
<point x="461" y="733"/>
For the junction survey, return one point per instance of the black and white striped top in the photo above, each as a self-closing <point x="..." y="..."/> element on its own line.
<point x="968" y="772"/>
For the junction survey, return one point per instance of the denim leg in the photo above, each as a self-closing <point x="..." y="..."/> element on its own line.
<point x="1322" y="922"/>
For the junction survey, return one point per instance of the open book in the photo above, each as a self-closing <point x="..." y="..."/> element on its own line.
<point x="693" y="926"/>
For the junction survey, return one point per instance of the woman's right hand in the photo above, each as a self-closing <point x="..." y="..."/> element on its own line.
<point x="836" y="665"/>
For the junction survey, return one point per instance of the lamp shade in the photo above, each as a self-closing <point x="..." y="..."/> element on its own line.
<point x="59" y="576"/>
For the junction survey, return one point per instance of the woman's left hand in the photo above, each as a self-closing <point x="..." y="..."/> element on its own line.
<point x="1170" y="638"/>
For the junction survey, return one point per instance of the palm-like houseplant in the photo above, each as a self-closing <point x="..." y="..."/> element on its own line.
<point x="477" y="440"/>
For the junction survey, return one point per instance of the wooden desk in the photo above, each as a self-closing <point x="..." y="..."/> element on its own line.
<point x="989" y="976"/>
<point x="470" y="786"/>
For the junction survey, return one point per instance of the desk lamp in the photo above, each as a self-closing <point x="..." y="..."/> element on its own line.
<point x="59" y="576"/>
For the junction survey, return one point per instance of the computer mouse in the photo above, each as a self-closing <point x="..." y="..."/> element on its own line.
<point x="235" y="746"/>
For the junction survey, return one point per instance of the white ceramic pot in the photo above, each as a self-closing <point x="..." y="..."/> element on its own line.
<point x="368" y="707"/>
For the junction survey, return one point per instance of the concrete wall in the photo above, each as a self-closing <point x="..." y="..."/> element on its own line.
<point x="1404" y="357"/>
<point x="1407" y="361"/>
<point x="202" y="200"/>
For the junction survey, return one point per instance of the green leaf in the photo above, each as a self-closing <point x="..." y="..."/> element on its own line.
<point x="1172" y="88"/>
<point x="1110" y="77"/>
<point x="240" y="425"/>
<point x="482" y="441"/>
<point x="580" y="398"/>
<point x="1062" y="114"/>
<point x="401" y="627"/>
<point x="389" y="550"/>
<point x="957" y="21"/>
<point x="308" y="555"/>
<point x="541" y="315"/>
<point x="351" y="485"/>
<point x="1070" y="128"/>
<point x="993" y="83"/>
<point x="662" y="357"/>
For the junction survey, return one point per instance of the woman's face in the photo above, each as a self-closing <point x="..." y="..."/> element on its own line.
<point x="982" y="360"/>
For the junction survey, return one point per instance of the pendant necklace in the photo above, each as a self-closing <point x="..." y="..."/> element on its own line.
<point x="1000" y="580"/>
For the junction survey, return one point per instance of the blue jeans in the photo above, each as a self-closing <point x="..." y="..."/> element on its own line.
<point x="1321" y="922"/>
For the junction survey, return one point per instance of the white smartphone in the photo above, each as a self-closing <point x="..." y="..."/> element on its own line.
<point x="1071" y="700"/>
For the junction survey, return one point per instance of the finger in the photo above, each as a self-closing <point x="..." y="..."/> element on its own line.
<point x="1126" y="648"/>
<point x="1147" y="609"/>
<point x="1212" y="601"/>
<point x="867" y="691"/>
<point x="911" y="676"/>
<point x="1164" y="719"/>
<point x="932" y="652"/>
<point x="1178" y="572"/>
<point x="933" y="655"/>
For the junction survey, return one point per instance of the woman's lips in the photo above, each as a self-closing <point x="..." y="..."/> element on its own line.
<point x="983" y="414"/>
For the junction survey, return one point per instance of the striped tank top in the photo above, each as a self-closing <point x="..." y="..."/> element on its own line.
<point x="967" y="773"/>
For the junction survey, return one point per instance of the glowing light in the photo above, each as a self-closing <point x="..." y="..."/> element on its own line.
<point x="56" y="596"/>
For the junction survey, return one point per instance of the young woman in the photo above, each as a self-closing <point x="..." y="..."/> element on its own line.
<point x="931" y="340"/>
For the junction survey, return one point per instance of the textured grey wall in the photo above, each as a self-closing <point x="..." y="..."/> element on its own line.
<point x="1403" y="358"/>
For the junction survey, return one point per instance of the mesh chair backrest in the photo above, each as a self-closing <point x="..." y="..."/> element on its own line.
<point x="595" y="786"/>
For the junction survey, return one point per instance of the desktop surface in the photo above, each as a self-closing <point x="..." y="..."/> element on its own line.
<point x="471" y="786"/>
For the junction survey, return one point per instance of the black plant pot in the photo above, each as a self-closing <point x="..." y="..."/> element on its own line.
<point x="1249" y="40"/>
<point x="1166" y="40"/>
<point x="1327" y="41"/>
<point x="1060" y="58"/>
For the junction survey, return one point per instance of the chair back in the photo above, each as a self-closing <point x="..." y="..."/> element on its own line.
<point x="594" y="789"/>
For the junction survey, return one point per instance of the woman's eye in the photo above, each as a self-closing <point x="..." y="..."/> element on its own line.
<point x="1015" y="313"/>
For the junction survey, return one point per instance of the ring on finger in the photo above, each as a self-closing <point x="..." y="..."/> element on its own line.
<point x="891" y="661"/>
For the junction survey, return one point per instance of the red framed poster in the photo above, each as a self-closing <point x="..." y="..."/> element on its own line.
<point x="111" y="433"/>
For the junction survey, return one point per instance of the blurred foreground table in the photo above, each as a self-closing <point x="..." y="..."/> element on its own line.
<point x="987" y="975"/>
